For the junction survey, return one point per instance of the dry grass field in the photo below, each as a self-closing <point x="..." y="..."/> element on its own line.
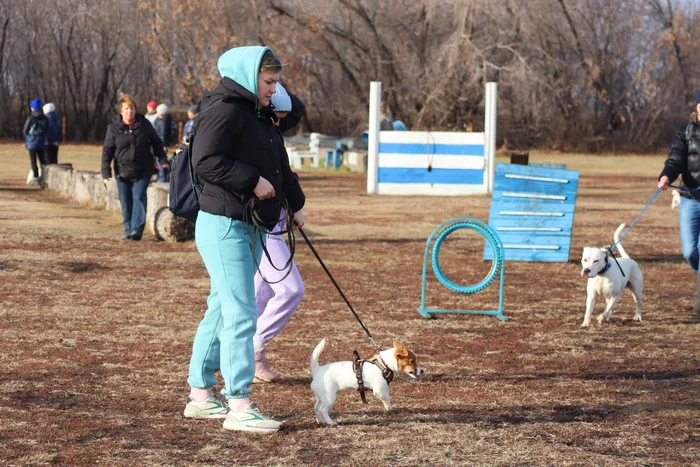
<point x="95" y="336"/>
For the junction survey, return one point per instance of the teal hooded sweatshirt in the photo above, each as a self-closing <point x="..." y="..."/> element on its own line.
<point x="241" y="64"/>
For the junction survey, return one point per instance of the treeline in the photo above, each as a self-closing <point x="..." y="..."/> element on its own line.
<point x="567" y="70"/>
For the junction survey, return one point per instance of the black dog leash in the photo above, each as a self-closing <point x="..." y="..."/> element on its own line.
<point x="313" y="250"/>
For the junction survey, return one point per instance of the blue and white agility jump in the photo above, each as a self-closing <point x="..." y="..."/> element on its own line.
<point x="427" y="162"/>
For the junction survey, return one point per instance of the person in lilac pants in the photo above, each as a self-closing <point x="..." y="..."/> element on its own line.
<point x="276" y="298"/>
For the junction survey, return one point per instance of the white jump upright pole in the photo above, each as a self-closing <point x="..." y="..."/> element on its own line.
<point x="491" y="106"/>
<point x="375" y="99"/>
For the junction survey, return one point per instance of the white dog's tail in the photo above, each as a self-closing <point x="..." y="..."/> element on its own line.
<point x="622" y="251"/>
<point x="315" y="354"/>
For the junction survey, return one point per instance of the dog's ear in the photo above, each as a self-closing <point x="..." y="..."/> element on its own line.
<point x="398" y="345"/>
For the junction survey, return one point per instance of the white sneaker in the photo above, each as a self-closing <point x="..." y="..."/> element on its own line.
<point x="214" y="407"/>
<point x="251" y="419"/>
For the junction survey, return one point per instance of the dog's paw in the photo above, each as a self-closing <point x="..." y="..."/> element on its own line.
<point x="585" y="324"/>
<point x="637" y="318"/>
<point x="601" y="319"/>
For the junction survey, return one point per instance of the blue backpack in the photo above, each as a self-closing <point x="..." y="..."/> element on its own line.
<point x="184" y="194"/>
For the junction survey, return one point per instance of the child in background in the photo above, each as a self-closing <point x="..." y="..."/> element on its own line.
<point x="276" y="301"/>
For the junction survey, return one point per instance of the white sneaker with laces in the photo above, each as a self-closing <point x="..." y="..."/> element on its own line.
<point x="214" y="407"/>
<point x="251" y="419"/>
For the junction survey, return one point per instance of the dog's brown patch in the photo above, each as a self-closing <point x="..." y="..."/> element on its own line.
<point x="405" y="359"/>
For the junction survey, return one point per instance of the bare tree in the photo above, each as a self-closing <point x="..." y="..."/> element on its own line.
<point x="568" y="70"/>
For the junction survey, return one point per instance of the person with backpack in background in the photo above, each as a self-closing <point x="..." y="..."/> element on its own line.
<point x="35" y="129"/>
<point x="246" y="180"/>
<point x="54" y="135"/>
<point x="129" y="141"/>
<point x="163" y="126"/>
<point x="277" y="292"/>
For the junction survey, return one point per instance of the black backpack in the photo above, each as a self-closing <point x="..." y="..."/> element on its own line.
<point x="183" y="198"/>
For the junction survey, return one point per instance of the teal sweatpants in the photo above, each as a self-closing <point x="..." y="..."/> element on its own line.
<point x="230" y="250"/>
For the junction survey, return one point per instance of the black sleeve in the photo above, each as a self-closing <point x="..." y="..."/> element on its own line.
<point x="156" y="143"/>
<point x="677" y="160"/>
<point x="290" y="183"/>
<point x="108" y="153"/>
<point x="213" y="155"/>
<point x="27" y="124"/>
<point x="294" y="116"/>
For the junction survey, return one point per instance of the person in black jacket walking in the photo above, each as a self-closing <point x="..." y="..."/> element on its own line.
<point x="128" y="142"/>
<point x="684" y="160"/>
<point x="237" y="156"/>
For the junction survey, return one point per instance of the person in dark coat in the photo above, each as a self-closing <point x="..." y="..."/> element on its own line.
<point x="128" y="144"/>
<point x="237" y="156"/>
<point x="54" y="135"/>
<point x="163" y="125"/>
<point x="684" y="160"/>
<point x="35" y="129"/>
<point x="192" y="112"/>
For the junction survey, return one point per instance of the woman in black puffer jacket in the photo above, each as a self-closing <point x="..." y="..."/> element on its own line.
<point x="684" y="160"/>
<point x="129" y="141"/>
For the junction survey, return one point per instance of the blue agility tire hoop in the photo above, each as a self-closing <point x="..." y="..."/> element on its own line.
<point x="496" y="247"/>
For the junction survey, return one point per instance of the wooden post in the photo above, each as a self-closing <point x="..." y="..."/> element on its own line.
<point x="64" y="125"/>
<point x="180" y="126"/>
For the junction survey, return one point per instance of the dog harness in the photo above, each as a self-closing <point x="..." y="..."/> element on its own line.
<point x="357" y="363"/>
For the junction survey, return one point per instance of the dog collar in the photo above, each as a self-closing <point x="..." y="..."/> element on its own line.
<point x="607" y="264"/>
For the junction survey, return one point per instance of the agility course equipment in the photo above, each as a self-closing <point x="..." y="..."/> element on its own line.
<point x="428" y="162"/>
<point x="432" y="250"/>
<point x="532" y="209"/>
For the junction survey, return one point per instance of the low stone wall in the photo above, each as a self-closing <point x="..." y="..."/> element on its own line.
<point x="88" y="188"/>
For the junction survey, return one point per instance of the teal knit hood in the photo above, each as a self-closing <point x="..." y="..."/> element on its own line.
<point x="241" y="64"/>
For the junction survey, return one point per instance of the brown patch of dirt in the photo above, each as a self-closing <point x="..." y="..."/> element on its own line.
<point x="96" y="336"/>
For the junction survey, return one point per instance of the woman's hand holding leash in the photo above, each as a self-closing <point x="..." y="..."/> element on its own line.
<point x="264" y="189"/>
<point x="664" y="183"/>
<point x="298" y="219"/>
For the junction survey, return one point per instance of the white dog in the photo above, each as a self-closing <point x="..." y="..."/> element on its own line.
<point x="675" y="199"/>
<point x="605" y="279"/>
<point x="333" y="377"/>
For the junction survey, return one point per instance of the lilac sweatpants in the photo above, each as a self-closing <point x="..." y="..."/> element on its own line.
<point x="276" y="302"/>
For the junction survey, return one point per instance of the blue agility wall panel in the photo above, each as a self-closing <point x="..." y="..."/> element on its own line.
<point x="532" y="210"/>
<point x="431" y="163"/>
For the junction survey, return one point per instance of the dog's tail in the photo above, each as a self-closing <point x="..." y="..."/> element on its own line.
<point x="622" y="251"/>
<point x="315" y="354"/>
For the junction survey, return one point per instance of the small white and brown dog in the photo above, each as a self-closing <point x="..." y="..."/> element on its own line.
<point x="333" y="377"/>
<point x="606" y="279"/>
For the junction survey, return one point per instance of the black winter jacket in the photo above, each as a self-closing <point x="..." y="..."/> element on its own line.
<point x="684" y="159"/>
<point x="163" y="127"/>
<point x="235" y="144"/>
<point x="131" y="149"/>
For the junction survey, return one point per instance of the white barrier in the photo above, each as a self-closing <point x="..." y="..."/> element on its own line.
<point x="431" y="163"/>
